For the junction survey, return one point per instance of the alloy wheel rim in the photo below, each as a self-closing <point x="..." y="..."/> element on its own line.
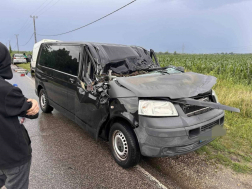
<point x="120" y="145"/>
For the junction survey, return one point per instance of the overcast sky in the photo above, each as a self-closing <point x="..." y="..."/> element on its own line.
<point x="201" y="26"/>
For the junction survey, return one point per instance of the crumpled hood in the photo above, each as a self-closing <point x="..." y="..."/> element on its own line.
<point x="5" y="63"/>
<point x="174" y="86"/>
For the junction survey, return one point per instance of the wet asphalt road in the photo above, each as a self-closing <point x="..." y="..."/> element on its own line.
<point x="65" y="156"/>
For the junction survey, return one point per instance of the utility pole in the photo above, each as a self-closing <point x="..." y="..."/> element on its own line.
<point x="17" y="41"/>
<point x="9" y="44"/>
<point x="183" y="48"/>
<point x="35" y="37"/>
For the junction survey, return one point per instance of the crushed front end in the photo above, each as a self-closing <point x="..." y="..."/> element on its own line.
<point x="194" y="127"/>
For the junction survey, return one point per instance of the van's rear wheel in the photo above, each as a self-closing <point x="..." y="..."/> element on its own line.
<point x="43" y="101"/>
<point x="124" y="145"/>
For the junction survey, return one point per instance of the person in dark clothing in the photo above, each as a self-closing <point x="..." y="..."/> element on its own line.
<point x="25" y="57"/>
<point x="15" y="144"/>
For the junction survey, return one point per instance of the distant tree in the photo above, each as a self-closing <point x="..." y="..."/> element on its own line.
<point x="10" y="50"/>
<point x="166" y="52"/>
<point x="231" y="53"/>
<point x="175" y="53"/>
<point x="222" y="53"/>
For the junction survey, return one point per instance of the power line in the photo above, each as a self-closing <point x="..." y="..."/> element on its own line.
<point x="28" y="40"/>
<point x="44" y="7"/>
<point x="90" y="22"/>
<point x="38" y="7"/>
<point x="32" y="14"/>
<point x="28" y="26"/>
<point x="49" y="8"/>
<point x="23" y="26"/>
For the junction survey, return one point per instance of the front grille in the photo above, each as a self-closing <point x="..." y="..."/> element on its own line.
<point x="210" y="125"/>
<point x="222" y="120"/>
<point x="191" y="110"/>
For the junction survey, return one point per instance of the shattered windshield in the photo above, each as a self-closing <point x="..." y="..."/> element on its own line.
<point x="126" y="59"/>
<point x="128" y="66"/>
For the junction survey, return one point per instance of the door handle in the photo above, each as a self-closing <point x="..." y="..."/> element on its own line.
<point x="71" y="80"/>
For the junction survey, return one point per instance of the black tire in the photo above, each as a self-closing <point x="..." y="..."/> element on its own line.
<point x="121" y="132"/>
<point x="43" y="102"/>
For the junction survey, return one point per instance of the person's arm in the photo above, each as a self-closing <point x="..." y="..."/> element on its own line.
<point x="32" y="113"/>
<point x="17" y="105"/>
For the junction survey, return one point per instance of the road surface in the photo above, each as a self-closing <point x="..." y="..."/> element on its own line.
<point x="65" y="156"/>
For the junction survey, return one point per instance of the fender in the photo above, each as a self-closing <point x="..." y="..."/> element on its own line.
<point x="123" y="109"/>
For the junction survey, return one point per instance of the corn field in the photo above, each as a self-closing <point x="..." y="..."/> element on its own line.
<point x="235" y="67"/>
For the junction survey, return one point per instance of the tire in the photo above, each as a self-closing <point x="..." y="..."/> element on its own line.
<point x="43" y="102"/>
<point x="124" y="145"/>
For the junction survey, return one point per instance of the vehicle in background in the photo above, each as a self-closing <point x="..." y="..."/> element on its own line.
<point x="121" y="94"/>
<point x="35" y="52"/>
<point x="18" y="58"/>
<point x="29" y="57"/>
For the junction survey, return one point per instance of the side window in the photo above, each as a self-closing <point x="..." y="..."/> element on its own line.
<point x="48" y="55"/>
<point x="68" y="58"/>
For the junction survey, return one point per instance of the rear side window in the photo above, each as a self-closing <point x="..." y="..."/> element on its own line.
<point x="48" y="56"/>
<point x="63" y="58"/>
<point x="68" y="58"/>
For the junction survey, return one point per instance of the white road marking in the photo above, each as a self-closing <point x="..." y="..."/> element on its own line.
<point x="150" y="177"/>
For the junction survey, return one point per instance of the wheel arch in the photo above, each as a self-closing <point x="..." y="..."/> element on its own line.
<point x="39" y="88"/>
<point x="104" y="130"/>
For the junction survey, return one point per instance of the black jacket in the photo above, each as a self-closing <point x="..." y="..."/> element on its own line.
<point x="15" y="148"/>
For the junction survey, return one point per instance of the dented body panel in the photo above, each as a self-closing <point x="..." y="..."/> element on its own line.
<point x="173" y="136"/>
<point x="110" y="82"/>
<point x="174" y="86"/>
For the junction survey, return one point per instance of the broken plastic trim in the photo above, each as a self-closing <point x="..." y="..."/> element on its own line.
<point x="206" y="104"/>
<point x="152" y="53"/>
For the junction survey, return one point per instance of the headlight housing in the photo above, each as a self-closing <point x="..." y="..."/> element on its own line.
<point x="215" y="96"/>
<point x="156" y="108"/>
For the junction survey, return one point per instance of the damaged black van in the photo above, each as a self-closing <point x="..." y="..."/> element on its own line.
<point x="121" y="94"/>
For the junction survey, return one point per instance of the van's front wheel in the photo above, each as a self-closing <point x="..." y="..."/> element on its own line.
<point x="124" y="145"/>
<point x="43" y="101"/>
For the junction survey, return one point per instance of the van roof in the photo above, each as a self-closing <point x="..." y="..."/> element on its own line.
<point x="110" y="53"/>
<point x="84" y="43"/>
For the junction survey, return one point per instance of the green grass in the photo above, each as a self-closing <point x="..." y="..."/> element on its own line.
<point x="234" y="88"/>
<point x="25" y="66"/>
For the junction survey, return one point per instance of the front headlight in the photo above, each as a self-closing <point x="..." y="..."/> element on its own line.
<point x="156" y="108"/>
<point x="215" y="96"/>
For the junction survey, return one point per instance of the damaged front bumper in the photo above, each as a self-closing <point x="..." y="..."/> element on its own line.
<point x="170" y="136"/>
